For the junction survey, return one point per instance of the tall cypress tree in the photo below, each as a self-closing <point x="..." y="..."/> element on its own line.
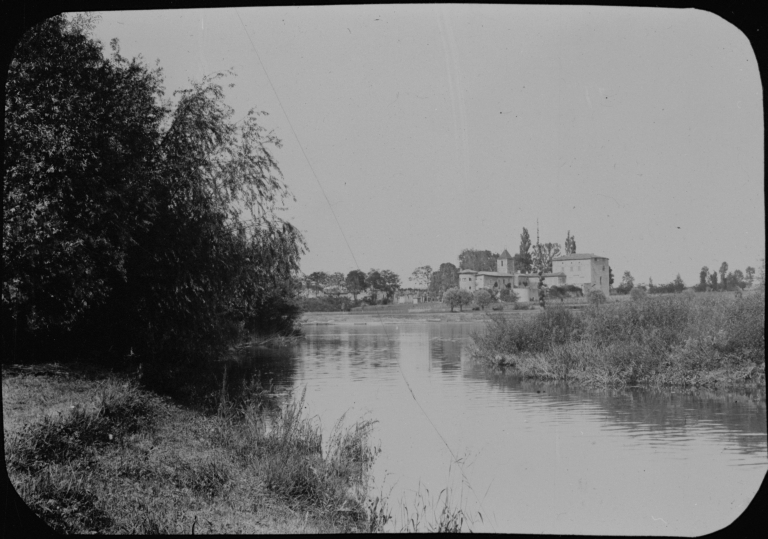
<point x="525" y="259"/>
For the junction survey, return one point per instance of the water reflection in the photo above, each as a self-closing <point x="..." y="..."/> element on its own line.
<point x="540" y="457"/>
<point x="660" y="416"/>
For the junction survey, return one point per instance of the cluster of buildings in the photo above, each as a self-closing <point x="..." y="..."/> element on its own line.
<point x="586" y="271"/>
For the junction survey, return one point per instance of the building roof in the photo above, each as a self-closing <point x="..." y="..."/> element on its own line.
<point x="467" y="271"/>
<point x="505" y="254"/>
<point x="558" y="274"/>
<point x="578" y="256"/>
<point x="495" y="274"/>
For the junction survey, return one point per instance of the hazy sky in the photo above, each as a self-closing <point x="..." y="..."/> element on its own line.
<point x="433" y="128"/>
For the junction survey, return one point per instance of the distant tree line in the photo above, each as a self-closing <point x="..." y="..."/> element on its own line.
<point x="337" y="285"/>
<point x="722" y="280"/>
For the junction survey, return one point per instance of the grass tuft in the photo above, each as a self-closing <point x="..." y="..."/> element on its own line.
<point x="119" y="409"/>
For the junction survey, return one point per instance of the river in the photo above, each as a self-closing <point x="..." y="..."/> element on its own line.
<point x="529" y="457"/>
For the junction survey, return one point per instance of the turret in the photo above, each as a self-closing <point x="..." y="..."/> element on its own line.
<point x="505" y="263"/>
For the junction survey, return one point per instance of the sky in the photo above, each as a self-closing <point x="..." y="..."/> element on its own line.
<point x="411" y="132"/>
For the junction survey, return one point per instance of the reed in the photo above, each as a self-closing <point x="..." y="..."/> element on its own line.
<point x="682" y="340"/>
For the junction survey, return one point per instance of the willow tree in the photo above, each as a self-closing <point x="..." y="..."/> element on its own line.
<point x="152" y="225"/>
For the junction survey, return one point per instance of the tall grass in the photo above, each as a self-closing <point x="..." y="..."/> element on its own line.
<point x="684" y="339"/>
<point x="128" y="462"/>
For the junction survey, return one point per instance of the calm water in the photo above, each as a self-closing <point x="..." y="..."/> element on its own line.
<point x="534" y="458"/>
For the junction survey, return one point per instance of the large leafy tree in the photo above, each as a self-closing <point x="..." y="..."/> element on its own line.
<point x="356" y="282"/>
<point x="374" y="281"/>
<point x="455" y="297"/>
<point x="390" y="283"/>
<point x="421" y="276"/>
<point x="81" y="134"/>
<point x="451" y="298"/>
<point x="435" y="289"/>
<point x="202" y="264"/>
<point x="317" y="281"/>
<point x="482" y="298"/>
<point x="335" y="284"/>
<point x="475" y="259"/>
<point x="446" y="277"/>
<point x="543" y="254"/>
<point x="151" y="225"/>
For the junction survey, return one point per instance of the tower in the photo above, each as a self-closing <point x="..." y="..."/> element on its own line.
<point x="505" y="263"/>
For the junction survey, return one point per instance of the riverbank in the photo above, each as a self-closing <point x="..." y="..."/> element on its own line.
<point x="91" y="451"/>
<point x="379" y="317"/>
<point x="698" y="340"/>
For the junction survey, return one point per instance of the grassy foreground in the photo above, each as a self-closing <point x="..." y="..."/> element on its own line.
<point x="91" y="451"/>
<point x="96" y="453"/>
<point x="705" y="339"/>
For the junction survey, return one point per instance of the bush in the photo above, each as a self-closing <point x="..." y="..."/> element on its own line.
<point x="508" y="295"/>
<point x="596" y="297"/>
<point x="536" y="334"/>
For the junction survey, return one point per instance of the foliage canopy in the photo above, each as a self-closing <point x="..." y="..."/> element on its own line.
<point x="153" y="225"/>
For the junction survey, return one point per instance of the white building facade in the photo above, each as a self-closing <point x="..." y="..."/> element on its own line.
<point x="586" y="270"/>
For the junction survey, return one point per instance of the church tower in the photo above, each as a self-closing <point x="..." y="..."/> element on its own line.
<point x="505" y="263"/>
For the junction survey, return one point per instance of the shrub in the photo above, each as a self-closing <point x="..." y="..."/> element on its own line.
<point x="596" y="297"/>
<point x="536" y="334"/>
<point x="508" y="295"/>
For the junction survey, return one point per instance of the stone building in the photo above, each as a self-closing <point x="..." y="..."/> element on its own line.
<point x="588" y="271"/>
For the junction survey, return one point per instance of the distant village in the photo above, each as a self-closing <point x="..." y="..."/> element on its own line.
<point x="510" y="278"/>
<point x="516" y="278"/>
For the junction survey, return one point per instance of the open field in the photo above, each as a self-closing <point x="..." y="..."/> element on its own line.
<point x="707" y="339"/>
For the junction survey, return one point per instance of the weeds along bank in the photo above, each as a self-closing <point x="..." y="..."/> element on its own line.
<point x="93" y="452"/>
<point x="706" y="339"/>
<point x="124" y="460"/>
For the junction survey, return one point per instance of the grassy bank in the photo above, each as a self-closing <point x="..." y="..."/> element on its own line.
<point x="707" y="339"/>
<point x="94" y="451"/>
<point x="90" y="452"/>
